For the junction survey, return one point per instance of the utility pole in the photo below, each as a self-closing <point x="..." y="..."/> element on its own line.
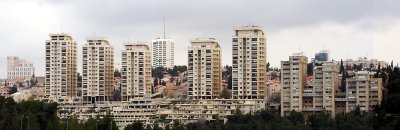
<point x="22" y="117"/>
<point x="67" y="122"/>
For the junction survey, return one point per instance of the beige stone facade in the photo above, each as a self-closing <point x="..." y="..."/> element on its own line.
<point x="19" y="68"/>
<point x="363" y="91"/>
<point x="324" y="87"/>
<point x="205" y="69"/>
<point x="61" y="66"/>
<point x="98" y="70"/>
<point x="293" y="80"/>
<point x="136" y="71"/>
<point x="249" y="63"/>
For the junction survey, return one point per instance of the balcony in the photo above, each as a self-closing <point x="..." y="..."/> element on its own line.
<point x="312" y="109"/>
<point x="341" y="99"/>
<point x="308" y="94"/>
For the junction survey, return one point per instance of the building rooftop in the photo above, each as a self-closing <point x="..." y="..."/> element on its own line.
<point x="97" y="41"/>
<point x="137" y="45"/>
<point x="298" y="54"/>
<point x="60" y="35"/>
<point x="204" y="41"/>
<point x="252" y="27"/>
<point x="162" y="39"/>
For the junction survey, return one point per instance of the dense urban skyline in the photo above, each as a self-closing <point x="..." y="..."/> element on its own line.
<point x="348" y="29"/>
<point x="189" y="65"/>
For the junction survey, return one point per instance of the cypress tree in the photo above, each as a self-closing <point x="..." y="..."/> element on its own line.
<point x="341" y="66"/>
<point x="344" y="76"/>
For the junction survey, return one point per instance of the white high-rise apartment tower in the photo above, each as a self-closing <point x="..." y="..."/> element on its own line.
<point x="163" y="52"/>
<point x="19" y="68"/>
<point x="61" y="66"/>
<point x="249" y="63"/>
<point x="293" y="80"/>
<point x="205" y="69"/>
<point x="136" y="71"/>
<point x="98" y="70"/>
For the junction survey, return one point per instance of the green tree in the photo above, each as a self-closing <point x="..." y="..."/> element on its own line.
<point x="378" y="71"/>
<point x="342" y="85"/>
<point x="227" y="71"/>
<point x="158" y="72"/>
<point x="310" y="67"/>
<point x="296" y="117"/>
<point x="177" y="126"/>
<point x="225" y="94"/>
<point x="117" y="73"/>
<point x="229" y="82"/>
<point x="13" y="90"/>
<point x="167" y="127"/>
<point x="322" y="120"/>
<point x="32" y="81"/>
<point x="156" y="127"/>
<point x="341" y="70"/>
<point x="106" y="123"/>
<point x="137" y="125"/>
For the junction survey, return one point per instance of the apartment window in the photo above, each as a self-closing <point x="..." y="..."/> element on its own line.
<point x="234" y="40"/>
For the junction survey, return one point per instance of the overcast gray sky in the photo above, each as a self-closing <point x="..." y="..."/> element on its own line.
<point x="349" y="29"/>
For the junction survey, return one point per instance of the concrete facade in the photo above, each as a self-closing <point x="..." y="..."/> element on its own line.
<point x="98" y="70"/>
<point x="61" y="66"/>
<point x="163" y="52"/>
<point x="205" y="69"/>
<point x="293" y="81"/>
<point x="19" y="68"/>
<point x="136" y="71"/>
<point x="249" y="63"/>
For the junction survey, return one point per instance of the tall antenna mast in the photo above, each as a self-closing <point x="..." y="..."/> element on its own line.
<point x="164" y="27"/>
<point x="299" y="48"/>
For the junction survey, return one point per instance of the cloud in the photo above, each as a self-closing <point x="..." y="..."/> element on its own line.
<point x="386" y="41"/>
<point x="348" y="28"/>
<point x="344" y="41"/>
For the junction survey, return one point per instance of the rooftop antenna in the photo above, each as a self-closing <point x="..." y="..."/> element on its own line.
<point x="164" y="27"/>
<point x="299" y="48"/>
<point x="323" y="46"/>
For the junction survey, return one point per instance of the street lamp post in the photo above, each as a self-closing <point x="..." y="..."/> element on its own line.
<point x="28" y="121"/>
<point x="22" y="117"/>
<point x="67" y="122"/>
<point x="67" y="114"/>
<point x="96" y="123"/>
<point x="111" y="124"/>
